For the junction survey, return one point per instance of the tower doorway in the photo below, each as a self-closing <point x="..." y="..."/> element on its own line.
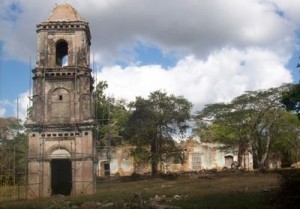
<point x="61" y="176"/>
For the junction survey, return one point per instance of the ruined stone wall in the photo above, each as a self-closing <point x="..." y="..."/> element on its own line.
<point x="78" y="147"/>
<point x="61" y="124"/>
<point x="119" y="159"/>
<point x="75" y="34"/>
<point x="197" y="156"/>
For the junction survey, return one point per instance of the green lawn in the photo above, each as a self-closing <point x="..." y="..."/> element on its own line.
<point x="222" y="190"/>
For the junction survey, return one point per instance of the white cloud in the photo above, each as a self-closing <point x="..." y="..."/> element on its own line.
<point x="4" y="104"/>
<point x="289" y="9"/>
<point x="222" y="76"/>
<point x="21" y="106"/>
<point x="223" y="48"/>
<point x="186" y="27"/>
<point x="196" y="27"/>
<point x="2" y="111"/>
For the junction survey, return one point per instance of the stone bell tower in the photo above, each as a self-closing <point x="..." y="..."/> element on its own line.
<point x="60" y="126"/>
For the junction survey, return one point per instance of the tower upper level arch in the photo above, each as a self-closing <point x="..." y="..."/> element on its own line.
<point x="64" y="23"/>
<point x="61" y="53"/>
<point x="63" y="59"/>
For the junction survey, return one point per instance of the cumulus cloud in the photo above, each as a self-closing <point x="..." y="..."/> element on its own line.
<point x="2" y="111"/>
<point x="197" y="27"/>
<point x="222" y="76"/>
<point x="221" y="49"/>
<point x="21" y="106"/>
<point x="186" y="27"/>
<point x="288" y="9"/>
<point x="18" y="107"/>
<point x="4" y="104"/>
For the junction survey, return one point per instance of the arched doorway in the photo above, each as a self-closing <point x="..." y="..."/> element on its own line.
<point x="61" y="172"/>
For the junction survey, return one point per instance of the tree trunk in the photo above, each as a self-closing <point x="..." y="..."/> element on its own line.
<point x="262" y="161"/>
<point x="264" y="155"/>
<point x="154" y="168"/>
<point x="154" y="157"/>
<point x="241" y="152"/>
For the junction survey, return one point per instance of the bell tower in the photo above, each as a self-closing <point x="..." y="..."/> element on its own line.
<point x="61" y="152"/>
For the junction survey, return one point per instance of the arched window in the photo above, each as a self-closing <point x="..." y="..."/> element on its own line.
<point x="62" y="53"/>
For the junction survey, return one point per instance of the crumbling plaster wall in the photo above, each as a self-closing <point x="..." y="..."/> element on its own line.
<point x="81" y="150"/>
<point x="78" y="48"/>
<point x="211" y="157"/>
<point x="119" y="159"/>
<point x="62" y="112"/>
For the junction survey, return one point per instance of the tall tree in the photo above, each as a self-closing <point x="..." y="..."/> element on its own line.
<point x="8" y="126"/>
<point x="227" y="124"/>
<point x="291" y="98"/>
<point x="288" y="144"/>
<point x="155" y="122"/>
<point x="254" y="122"/>
<point x="13" y="151"/>
<point x="111" y="117"/>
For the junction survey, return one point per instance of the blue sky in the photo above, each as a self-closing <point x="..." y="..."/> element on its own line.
<point x="204" y="50"/>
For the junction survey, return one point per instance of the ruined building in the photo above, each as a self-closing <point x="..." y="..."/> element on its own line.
<point x="61" y="145"/>
<point x="197" y="156"/>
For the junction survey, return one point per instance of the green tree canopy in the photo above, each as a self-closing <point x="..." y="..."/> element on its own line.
<point x="291" y="98"/>
<point x="8" y="126"/>
<point x="111" y="117"/>
<point x="155" y="122"/>
<point x="13" y="151"/>
<point x="254" y="122"/>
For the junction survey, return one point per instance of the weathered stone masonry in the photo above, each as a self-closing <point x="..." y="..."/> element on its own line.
<point x="61" y="143"/>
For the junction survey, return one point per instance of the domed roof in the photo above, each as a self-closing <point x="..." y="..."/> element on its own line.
<point x="64" y="12"/>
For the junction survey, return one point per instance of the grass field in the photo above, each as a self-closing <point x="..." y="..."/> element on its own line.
<point x="217" y="191"/>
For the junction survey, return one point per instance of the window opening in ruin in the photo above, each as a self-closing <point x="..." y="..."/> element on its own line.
<point x="62" y="53"/>
<point x="65" y="61"/>
<point x="196" y="161"/>
<point x="61" y="176"/>
<point x="228" y="161"/>
<point x="60" y="97"/>
<point x="106" y="169"/>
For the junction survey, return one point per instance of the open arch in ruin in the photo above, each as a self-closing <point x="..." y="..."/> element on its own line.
<point x="61" y="172"/>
